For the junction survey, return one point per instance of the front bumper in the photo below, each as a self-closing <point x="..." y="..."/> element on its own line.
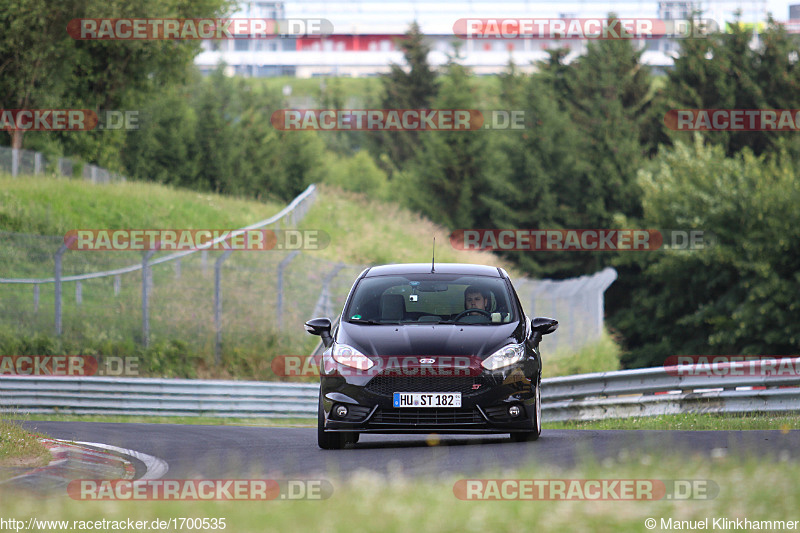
<point x="485" y="400"/>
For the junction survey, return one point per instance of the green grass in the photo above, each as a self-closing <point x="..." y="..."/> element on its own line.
<point x="20" y="448"/>
<point x="53" y="206"/>
<point x="691" y="422"/>
<point x="186" y="420"/>
<point x="365" y="231"/>
<point x="182" y="337"/>
<point x="600" y="356"/>
<point x="683" y="422"/>
<point x="748" y="488"/>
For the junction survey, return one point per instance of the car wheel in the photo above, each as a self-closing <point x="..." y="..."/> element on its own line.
<point x="536" y="418"/>
<point x="327" y="440"/>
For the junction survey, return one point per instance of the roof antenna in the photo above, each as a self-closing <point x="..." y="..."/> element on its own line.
<point x="433" y="257"/>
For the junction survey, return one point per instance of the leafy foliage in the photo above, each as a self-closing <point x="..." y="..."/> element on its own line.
<point x="736" y="297"/>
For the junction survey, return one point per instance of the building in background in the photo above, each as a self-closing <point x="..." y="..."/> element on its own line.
<point x="363" y="40"/>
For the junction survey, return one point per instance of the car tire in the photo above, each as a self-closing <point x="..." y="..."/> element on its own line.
<point x="536" y="418"/>
<point x="329" y="440"/>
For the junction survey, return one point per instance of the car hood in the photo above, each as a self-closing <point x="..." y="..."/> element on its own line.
<point x="428" y="339"/>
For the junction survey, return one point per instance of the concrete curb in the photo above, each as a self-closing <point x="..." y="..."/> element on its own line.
<point x="70" y="461"/>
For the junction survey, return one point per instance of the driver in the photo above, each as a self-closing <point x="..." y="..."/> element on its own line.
<point x="477" y="298"/>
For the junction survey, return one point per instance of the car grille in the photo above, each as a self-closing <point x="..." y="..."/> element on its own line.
<point x="427" y="416"/>
<point x="383" y="385"/>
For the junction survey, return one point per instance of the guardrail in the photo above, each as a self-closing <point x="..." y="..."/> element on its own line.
<point x="289" y="215"/>
<point x="156" y="397"/>
<point x="641" y="392"/>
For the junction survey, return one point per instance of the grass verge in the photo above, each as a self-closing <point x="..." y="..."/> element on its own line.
<point x="684" y="422"/>
<point x="690" y="422"/>
<point x="103" y="317"/>
<point x="20" y="448"/>
<point x="750" y="489"/>
<point x="600" y="356"/>
<point x="187" y="420"/>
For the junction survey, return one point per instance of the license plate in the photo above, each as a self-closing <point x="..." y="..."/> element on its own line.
<point x="427" y="399"/>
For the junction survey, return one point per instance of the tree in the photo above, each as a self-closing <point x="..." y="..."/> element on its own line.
<point x="540" y="188"/>
<point x="589" y="127"/>
<point x="446" y="180"/>
<point x="725" y="72"/>
<point x="41" y="66"/>
<point x="35" y="55"/>
<point x="610" y="98"/>
<point x="736" y="297"/>
<point x="415" y="89"/>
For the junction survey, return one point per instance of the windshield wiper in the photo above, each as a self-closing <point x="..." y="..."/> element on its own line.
<point x="372" y="322"/>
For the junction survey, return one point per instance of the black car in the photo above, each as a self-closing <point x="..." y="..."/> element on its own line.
<point x="423" y="348"/>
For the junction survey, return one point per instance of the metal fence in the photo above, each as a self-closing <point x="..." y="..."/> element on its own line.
<point x="208" y="298"/>
<point x="222" y="301"/>
<point x="19" y="162"/>
<point x="577" y="304"/>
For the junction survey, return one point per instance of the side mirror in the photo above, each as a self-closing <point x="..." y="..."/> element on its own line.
<point x="542" y="326"/>
<point x="321" y="327"/>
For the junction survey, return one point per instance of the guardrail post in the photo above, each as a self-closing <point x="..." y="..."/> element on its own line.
<point x="146" y="297"/>
<point x="35" y="297"/>
<point x="78" y="293"/>
<point x="15" y="161"/>
<point x="57" y="285"/>
<point x="218" y="305"/>
<point x="324" y="306"/>
<point x="117" y="284"/>
<point x="281" y="266"/>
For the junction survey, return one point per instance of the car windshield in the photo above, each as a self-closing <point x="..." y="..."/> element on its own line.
<point x="431" y="299"/>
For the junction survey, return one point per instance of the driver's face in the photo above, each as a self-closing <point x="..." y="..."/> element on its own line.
<point x="475" y="300"/>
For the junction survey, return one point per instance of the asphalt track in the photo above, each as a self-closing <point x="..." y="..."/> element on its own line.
<point x="217" y="452"/>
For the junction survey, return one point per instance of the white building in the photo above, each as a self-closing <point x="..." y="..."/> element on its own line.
<point x="364" y="32"/>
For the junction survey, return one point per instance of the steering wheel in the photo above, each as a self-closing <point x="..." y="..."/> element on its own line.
<point x="475" y="310"/>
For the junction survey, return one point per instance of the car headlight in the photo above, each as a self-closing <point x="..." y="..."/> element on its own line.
<point x="349" y="356"/>
<point x="505" y="356"/>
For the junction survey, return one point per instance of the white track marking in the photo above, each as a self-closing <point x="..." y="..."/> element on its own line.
<point x="156" y="467"/>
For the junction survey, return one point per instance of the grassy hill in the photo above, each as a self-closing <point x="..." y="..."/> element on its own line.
<point x="104" y="316"/>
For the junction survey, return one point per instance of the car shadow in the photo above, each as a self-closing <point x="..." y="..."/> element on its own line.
<point x="424" y="441"/>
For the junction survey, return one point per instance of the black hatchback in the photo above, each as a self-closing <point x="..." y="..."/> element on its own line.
<point x="430" y="349"/>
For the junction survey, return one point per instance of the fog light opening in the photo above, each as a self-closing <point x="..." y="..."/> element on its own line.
<point x="341" y="411"/>
<point x="514" y="411"/>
